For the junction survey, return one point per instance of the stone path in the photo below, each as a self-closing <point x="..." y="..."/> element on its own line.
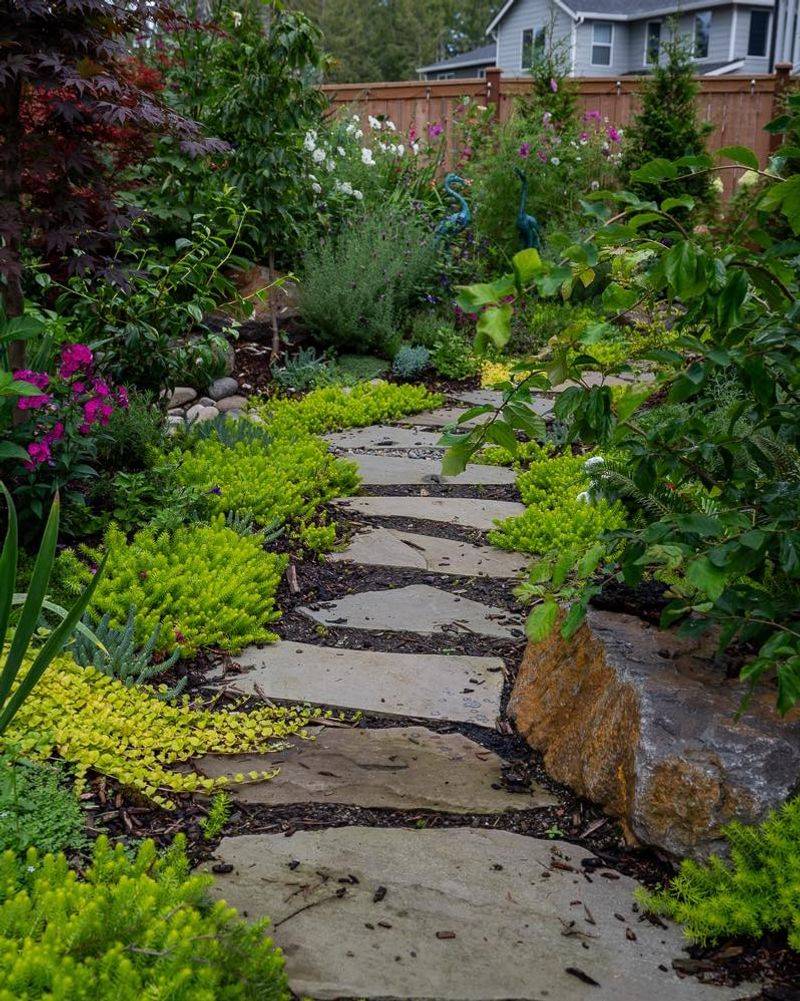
<point x="467" y="911"/>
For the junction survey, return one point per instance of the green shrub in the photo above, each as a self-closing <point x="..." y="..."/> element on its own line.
<point x="38" y="809"/>
<point x="357" y="288"/>
<point x="287" y="481"/>
<point x="336" y="408"/>
<point x="132" y="439"/>
<point x="410" y="361"/>
<point x="306" y="370"/>
<point x="752" y="894"/>
<point x="426" y="328"/>
<point x="360" y="368"/>
<point x="540" y="321"/>
<point x="130" y="930"/>
<point x="452" y="355"/>
<point x="154" y="496"/>
<point x="201" y="585"/>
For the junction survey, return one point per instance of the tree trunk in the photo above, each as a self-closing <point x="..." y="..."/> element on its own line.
<point x="10" y="171"/>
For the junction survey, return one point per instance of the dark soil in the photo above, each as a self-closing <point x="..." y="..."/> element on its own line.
<point x="499" y="491"/>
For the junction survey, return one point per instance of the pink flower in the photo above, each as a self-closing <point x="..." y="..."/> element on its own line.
<point x="56" y="433"/>
<point x="584" y="137"/>
<point x="74" y="357"/>
<point x="78" y="388"/>
<point x="100" y="386"/>
<point x="33" y="402"/>
<point x="39" y="379"/>
<point x="413" y="135"/>
<point x="122" y="397"/>
<point x="553" y="86"/>
<point x="525" y="150"/>
<point x="613" y="135"/>
<point x="435" y="130"/>
<point x="592" y="116"/>
<point x="95" y="411"/>
<point x="39" y="452"/>
<point x="542" y="155"/>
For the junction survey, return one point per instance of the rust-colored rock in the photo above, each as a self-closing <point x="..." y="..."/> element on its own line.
<point x="642" y="722"/>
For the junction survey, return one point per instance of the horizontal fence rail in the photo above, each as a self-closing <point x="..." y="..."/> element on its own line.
<point x="738" y="107"/>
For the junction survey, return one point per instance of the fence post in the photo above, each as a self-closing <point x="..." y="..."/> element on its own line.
<point x="782" y="79"/>
<point x="493" y="89"/>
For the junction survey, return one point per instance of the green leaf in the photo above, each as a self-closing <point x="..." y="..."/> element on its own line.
<point x="527" y="264"/>
<point x="541" y="621"/>
<point x="655" y="171"/>
<point x="8" y="450"/>
<point x="8" y="566"/>
<point x="472" y="297"/>
<point x="455" y="459"/>
<point x="494" y="323"/>
<point x="681" y="202"/>
<point x="706" y="577"/>
<point x="684" y="270"/>
<point x="617" y="299"/>
<point x="573" y="619"/>
<point x="739" y="154"/>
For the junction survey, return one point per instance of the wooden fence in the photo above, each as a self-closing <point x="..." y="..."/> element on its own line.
<point x="738" y="107"/>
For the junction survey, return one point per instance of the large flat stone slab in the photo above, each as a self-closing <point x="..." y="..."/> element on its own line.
<point x="457" y="914"/>
<point x="423" y="686"/>
<point x="643" y="721"/>
<point x="467" y="512"/>
<point x="394" y="470"/>
<point x="449" y="415"/>
<point x="383" y="436"/>
<point x="418" y="608"/>
<point x="399" y="768"/>
<point x="388" y="547"/>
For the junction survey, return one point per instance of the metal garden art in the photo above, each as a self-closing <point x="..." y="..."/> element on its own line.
<point x="530" y="232"/>
<point x="452" y="225"/>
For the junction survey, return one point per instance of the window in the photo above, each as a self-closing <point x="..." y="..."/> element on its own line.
<point x="702" y="33"/>
<point x="602" y="42"/>
<point x="533" y="41"/>
<point x="652" y="45"/>
<point x="449" y="75"/>
<point x="759" y="30"/>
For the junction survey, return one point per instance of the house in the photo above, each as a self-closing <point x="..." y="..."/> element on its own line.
<point x="619" y="37"/>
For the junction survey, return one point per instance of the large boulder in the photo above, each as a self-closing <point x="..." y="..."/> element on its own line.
<point x="644" y="723"/>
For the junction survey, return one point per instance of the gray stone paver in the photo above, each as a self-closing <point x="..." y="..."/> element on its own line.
<point x="396" y="470"/>
<point x="456" y="914"/>
<point x="422" y="686"/>
<point x="383" y="436"/>
<point x="399" y="768"/>
<point x="418" y="608"/>
<point x="460" y="511"/>
<point x="392" y="548"/>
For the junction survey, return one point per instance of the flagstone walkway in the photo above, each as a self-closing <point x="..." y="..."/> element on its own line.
<point x="458" y="913"/>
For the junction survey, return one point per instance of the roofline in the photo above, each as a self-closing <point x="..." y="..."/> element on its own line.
<point x="727" y="68"/>
<point x="452" y="65"/>
<point x="673" y="8"/>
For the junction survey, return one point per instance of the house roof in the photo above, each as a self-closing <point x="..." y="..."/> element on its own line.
<point x="484" y="55"/>
<point x="629" y="10"/>
<point x="703" y="69"/>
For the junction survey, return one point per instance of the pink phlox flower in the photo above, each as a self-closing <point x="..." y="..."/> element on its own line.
<point x="78" y="388"/>
<point x="100" y="386"/>
<point x="33" y="402"/>
<point x="39" y="452"/>
<point x="542" y="155"/>
<point x="74" y="357"/>
<point x="592" y="116"/>
<point x="122" y="397"/>
<point x="553" y="85"/>
<point x="96" y="410"/>
<point x="39" y="379"/>
<point x="56" y="433"/>
<point x="584" y="137"/>
<point x="435" y="130"/>
<point x="613" y="134"/>
<point x="525" y="150"/>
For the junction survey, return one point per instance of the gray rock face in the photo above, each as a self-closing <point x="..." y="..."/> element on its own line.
<point x="418" y="608"/>
<point x="201" y="413"/>
<point x="467" y="512"/>
<point x="383" y="436"/>
<point x="182" y="395"/>
<point x="230" y="403"/>
<point x="641" y="721"/>
<point x="220" y="388"/>
<point x="423" y="686"/>
<point x="393" y="470"/>
<point x="393" y="548"/>
<point x="206" y="401"/>
<point x="403" y="768"/>
<point x="458" y="914"/>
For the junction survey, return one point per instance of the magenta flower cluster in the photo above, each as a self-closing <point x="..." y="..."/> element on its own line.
<point x="78" y="401"/>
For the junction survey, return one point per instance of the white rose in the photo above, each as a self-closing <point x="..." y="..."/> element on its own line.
<point x="584" y="498"/>
<point x="391" y="126"/>
<point x="310" y="142"/>
<point x="331" y="166"/>
<point x="748" y="179"/>
<point x="415" y="148"/>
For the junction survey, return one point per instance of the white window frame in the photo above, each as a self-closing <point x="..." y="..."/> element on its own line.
<point x="767" y="35"/>
<point x="645" y="60"/>
<point x="697" y="14"/>
<point x="608" y="45"/>
<point x="534" y="33"/>
<point x="446" y="75"/>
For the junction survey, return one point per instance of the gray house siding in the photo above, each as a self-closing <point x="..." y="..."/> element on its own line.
<point x="526" y="14"/>
<point x="620" y="50"/>
<point x="752" y="64"/>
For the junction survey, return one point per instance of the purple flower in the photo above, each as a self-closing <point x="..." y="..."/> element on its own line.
<point x="525" y="150"/>
<point x="122" y="397"/>
<point x="39" y="379"/>
<point x="613" y="135"/>
<point x="33" y="402"/>
<point x="553" y="86"/>
<point x="592" y="116"/>
<point x="435" y="130"/>
<point x="74" y="357"/>
<point x="39" y="452"/>
<point x="216" y="490"/>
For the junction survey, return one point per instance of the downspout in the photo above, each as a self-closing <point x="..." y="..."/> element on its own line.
<point x="776" y="13"/>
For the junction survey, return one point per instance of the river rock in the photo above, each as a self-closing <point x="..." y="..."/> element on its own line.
<point x="232" y="403"/>
<point x="181" y="395"/>
<point x="643" y="722"/>
<point x="199" y="413"/>
<point x="220" y="388"/>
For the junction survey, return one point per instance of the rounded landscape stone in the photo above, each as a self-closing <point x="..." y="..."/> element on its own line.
<point x="220" y="388"/>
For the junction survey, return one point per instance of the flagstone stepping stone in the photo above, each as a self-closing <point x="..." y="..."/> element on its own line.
<point x="389" y="547"/>
<point x="395" y="470"/>
<point x="458" y="914"/>
<point x="462" y="511"/>
<point x="384" y="436"/>
<point x="418" y="608"/>
<point x="449" y="415"/>
<point x="400" y="768"/>
<point x="423" y="686"/>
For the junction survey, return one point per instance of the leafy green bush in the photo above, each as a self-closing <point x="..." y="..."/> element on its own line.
<point x="131" y="929"/>
<point x="358" y="287"/>
<point x="38" y="809"/>
<point x="201" y="585"/>
<point x="753" y="893"/>
<point x="336" y="408"/>
<point x="410" y="361"/>
<point x="287" y="482"/>
<point x="133" y="436"/>
<point x="155" y="496"/>
<point x="306" y="370"/>
<point x="452" y="355"/>
<point x="539" y="321"/>
<point x="360" y="368"/>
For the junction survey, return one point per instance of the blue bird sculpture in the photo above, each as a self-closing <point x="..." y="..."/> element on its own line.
<point x="456" y="223"/>
<point x="530" y="232"/>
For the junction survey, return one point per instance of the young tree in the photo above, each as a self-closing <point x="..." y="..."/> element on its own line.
<point x="65" y="88"/>
<point x="667" y="125"/>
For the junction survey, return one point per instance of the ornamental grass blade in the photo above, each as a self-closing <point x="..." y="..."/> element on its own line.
<point x="29" y="617"/>
<point x="8" y="567"/>
<point x="51" y="648"/>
